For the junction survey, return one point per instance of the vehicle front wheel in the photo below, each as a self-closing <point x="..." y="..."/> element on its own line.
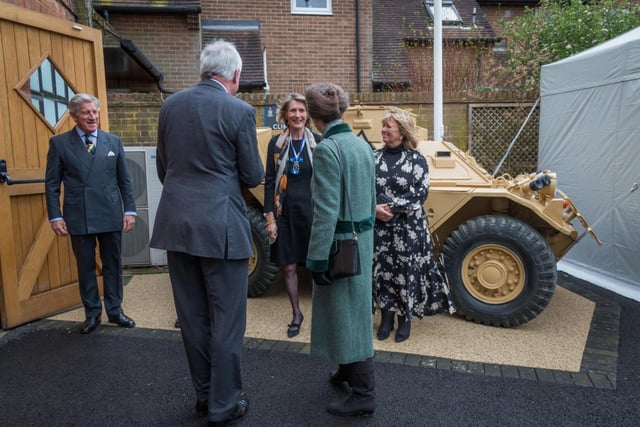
<point x="262" y="272"/>
<point x="501" y="271"/>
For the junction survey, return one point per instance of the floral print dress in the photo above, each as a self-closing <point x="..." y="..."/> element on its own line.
<point x="406" y="277"/>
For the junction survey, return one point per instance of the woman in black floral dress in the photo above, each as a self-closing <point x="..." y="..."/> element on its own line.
<point x="406" y="278"/>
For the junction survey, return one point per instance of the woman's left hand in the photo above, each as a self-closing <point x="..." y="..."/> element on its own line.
<point x="272" y="231"/>
<point x="383" y="212"/>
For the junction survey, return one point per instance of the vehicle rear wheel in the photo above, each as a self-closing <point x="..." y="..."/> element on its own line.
<point x="262" y="272"/>
<point x="501" y="271"/>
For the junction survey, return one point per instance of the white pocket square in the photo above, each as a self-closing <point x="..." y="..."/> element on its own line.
<point x="111" y="153"/>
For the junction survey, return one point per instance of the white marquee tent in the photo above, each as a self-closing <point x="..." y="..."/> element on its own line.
<point x="590" y="136"/>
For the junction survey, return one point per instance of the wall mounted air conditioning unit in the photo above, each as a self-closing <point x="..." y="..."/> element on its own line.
<point x="141" y="162"/>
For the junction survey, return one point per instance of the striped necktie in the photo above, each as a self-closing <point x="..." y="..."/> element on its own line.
<point x="91" y="147"/>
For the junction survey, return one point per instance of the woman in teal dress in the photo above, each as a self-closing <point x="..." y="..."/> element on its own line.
<point x="341" y="328"/>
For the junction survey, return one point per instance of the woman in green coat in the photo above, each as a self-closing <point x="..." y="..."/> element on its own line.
<point x="341" y="328"/>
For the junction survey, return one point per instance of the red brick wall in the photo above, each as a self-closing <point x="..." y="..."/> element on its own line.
<point x="303" y="49"/>
<point x="170" y="42"/>
<point x="134" y="116"/>
<point x="498" y="12"/>
<point x="60" y="9"/>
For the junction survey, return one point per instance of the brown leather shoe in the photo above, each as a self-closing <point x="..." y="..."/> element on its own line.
<point x="90" y="325"/>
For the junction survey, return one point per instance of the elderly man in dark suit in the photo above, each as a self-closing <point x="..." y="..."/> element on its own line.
<point x="98" y="205"/>
<point x="207" y="153"/>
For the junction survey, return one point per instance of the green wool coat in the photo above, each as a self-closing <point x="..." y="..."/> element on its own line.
<point x="342" y="323"/>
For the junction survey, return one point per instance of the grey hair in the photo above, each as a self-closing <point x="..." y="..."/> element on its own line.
<point x="79" y="99"/>
<point x="326" y="101"/>
<point x="220" y="58"/>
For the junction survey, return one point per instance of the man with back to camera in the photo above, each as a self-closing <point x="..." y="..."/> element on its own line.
<point x="207" y="153"/>
<point x="91" y="165"/>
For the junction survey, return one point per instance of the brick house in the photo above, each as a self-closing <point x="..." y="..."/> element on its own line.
<point x="363" y="45"/>
<point x="284" y="47"/>
<point x="152" y="48"/>
<point x="403" y="44"/>
<point x="507" y="10"/>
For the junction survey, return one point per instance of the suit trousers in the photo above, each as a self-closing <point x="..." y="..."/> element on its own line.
<point x="211" y="302"/>
<point x="84" y="249"/>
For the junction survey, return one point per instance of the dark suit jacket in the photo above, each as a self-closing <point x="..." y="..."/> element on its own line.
<point x="207" y="152"/>
<point x="95" y="189"/>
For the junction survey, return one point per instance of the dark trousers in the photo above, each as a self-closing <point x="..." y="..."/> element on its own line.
<point x="84" y="249"/>
<point x="211" y="302"/>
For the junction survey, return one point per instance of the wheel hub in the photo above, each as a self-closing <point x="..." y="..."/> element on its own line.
<point x="253" y="259"/>
<point x="493" y="274"/>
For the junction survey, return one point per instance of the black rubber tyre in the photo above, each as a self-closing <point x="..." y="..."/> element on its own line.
<point x="501" y="271"/>
<point x="262" y="272"/>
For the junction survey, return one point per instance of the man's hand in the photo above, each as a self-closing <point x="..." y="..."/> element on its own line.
<point x="128" y="222"/>
<point x="59" y="227"/>
<point x="321" y="278"/>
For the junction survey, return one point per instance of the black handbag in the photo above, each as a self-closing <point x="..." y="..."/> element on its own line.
<point x="344" y="256"/>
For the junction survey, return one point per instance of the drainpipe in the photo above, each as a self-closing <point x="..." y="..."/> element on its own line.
<point x="358" y="45"/>
<point x="89" y="10"/>
<point x="264" y="65"/>
<point x="132" y="50"/>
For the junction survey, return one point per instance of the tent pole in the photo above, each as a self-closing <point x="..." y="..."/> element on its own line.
<point x="513" y="141"/>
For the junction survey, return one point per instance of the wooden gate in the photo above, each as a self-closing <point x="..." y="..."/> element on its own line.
<point x="43" y="62"/>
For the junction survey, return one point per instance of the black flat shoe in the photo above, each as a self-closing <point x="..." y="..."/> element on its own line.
<point x="122" y="320"/>
<point x="90" y="325"/>
<point x="294" y="328"/>
<point x="239" y="411"/>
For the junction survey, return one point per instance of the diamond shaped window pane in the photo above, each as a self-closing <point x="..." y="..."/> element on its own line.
<point x="48" y="91"/>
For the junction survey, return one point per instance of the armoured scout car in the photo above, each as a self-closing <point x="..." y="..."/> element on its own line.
<point x="498" y="238"/>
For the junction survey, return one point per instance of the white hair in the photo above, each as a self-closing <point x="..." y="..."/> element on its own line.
<point x="220" y="58"/>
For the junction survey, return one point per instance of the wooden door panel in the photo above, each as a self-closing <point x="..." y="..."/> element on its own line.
<point x="38" y="275"/>
<point x="31" y="270"/>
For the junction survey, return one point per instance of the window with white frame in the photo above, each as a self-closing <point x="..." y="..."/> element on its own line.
<point x="311" y="7"/>
<point x="450" y="15"/>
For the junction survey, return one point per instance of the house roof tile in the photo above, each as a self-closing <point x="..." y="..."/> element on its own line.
<point x="245" y="35"/>
<point x="395" y="23"/>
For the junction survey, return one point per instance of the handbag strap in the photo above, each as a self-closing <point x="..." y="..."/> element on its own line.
<point x="346" y="189"/>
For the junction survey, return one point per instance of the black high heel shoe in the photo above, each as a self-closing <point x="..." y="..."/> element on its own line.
<point x="294" y="328"/>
